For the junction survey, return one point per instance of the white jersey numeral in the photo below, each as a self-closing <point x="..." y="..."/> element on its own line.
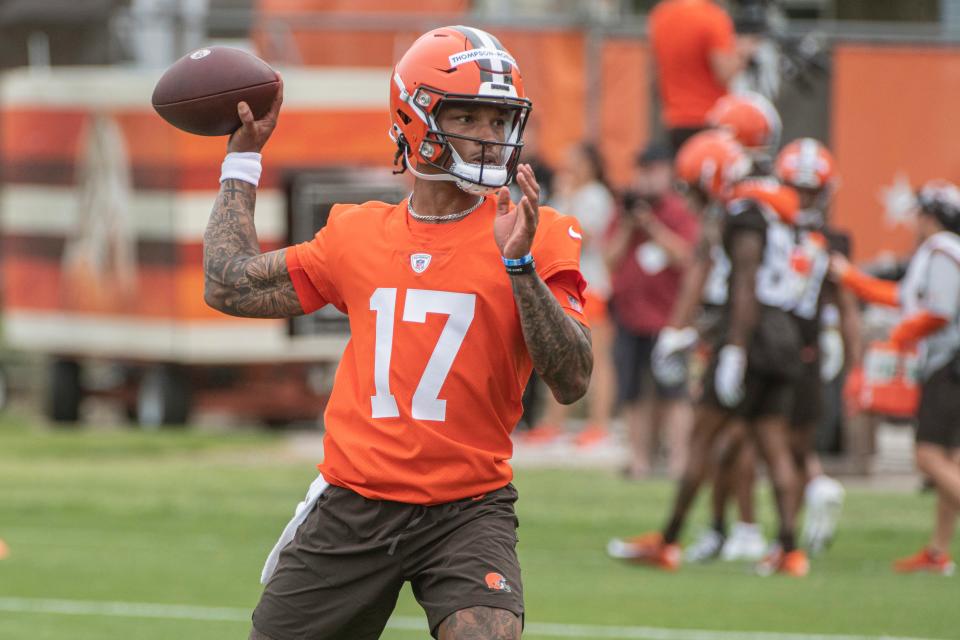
<point x="774" y="278"/>
<point x="460" y="308"/>
<point x="810" y="284"/>
<point x="384" y="302"/>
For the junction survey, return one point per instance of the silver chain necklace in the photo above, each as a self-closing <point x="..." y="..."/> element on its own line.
<point x="447" y="218"/>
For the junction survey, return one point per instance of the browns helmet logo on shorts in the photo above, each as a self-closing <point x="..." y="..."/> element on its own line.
<point x="496" y="582"/>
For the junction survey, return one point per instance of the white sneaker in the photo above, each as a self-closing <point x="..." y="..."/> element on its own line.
<point x="823" y="502"/>
<point x="706" y="547"/>
<point x="746" y="542"/>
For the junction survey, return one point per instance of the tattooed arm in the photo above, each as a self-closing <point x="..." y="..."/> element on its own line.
<point x="559" y="346"/>
<point x="238" y="279"/>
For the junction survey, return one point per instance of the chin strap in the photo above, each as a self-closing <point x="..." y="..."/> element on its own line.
<point x="464" y="184"/>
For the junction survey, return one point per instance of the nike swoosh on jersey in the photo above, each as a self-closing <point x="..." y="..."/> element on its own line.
<point x="574" y="234"/>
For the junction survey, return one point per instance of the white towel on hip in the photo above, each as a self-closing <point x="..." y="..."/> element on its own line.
<point x="299" y="515"/>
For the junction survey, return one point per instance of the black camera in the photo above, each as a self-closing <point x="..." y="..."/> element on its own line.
<point x="631" y="200"/>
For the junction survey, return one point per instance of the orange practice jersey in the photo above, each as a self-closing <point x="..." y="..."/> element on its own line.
<point x="429" y="386"/>
<point x="684" y="33"/>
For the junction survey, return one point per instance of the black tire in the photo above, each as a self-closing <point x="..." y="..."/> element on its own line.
<point x="163" y="398"/>
<point x="64" y="392"/>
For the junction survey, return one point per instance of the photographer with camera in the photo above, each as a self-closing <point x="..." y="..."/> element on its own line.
<point x="650" y="245"/>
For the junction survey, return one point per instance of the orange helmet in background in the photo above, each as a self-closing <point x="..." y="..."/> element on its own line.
<point x="806" y="163"/>
<point x="749" y="117"/>
<point x="464" y="65"/>
<point x="712" y="161"/>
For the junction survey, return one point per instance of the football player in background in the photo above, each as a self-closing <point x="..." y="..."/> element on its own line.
<point x="453" y="296"/>
<point x="751" y="373"/>
<point x="755" y="123"/>
<point x="929" y="297"/>
<point x="809" y="167"/>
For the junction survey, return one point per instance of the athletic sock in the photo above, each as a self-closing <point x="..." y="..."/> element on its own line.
<point x="787" y="542"/>
<point x="720" y="526"/>
<point x="672" y="533"/>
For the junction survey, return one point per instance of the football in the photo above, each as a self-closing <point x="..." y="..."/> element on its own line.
<point x="200" y="91"/>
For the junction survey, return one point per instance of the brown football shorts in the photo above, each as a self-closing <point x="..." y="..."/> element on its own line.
<point x="340" y="577"/>
<point x="938" y="417"/>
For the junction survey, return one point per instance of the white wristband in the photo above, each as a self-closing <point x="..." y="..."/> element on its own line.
<point x="244" y="166"/>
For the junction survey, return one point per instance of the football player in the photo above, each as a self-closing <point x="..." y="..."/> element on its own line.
<point x="752" y="369"/>
<point x="929" y="296"/>
<point x="808" y="166"/>
<point x="754" y="122"/>
<point x="453" y="296"/>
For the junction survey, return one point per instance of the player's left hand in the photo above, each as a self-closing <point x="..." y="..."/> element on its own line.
<point x="839" y="266"/>
<point x="514" y="227"/>
<point x="728" y="380"/>
<point x="670" y="354"/>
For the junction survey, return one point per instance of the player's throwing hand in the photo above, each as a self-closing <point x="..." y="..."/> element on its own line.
<point x="253" y="134"/>
<point x="513" y="229"/>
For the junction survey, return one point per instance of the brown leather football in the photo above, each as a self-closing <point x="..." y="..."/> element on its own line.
<point x="200" y="91"/>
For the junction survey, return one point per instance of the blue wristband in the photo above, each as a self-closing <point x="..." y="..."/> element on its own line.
<point x="518" y="262"/>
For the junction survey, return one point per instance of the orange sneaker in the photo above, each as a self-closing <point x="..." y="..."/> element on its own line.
<point x="543" y="434"/>
<point x="4" y="550"/>
<point x="794" y="563"/>
<point x="591" y="436"/>
<point x="648" y="548"/>
<point x="926" y="560"/>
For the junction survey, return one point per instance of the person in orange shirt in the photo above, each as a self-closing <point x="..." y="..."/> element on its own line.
<point x="696" y="55"/>
<point x="453" y="296"/>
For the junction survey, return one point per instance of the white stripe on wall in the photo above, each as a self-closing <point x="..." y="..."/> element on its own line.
<point x="117" y="88"/>
<point x="231" y="340"/>
<point x="154" y="215"/>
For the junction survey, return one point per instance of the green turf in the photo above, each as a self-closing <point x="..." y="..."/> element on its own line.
<point x="187" y="518"/>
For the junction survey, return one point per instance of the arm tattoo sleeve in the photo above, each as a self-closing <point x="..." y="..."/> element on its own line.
<point x="559" y="345"/>
<point x="238" y="279"/>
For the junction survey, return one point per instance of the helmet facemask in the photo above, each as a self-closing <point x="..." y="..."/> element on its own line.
<point x="814" y="203"/>
<point x="437" y="150"/>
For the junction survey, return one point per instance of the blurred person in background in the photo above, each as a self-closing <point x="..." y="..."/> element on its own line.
<point x="755" y="358"/>
<point x="696" y="55"/>
<point x="581" y="190"/>
<point x="929" y="297"/>
<point x="650" y="245"/>
<point x="808" y="166"/>
<point x="754" y="122"/>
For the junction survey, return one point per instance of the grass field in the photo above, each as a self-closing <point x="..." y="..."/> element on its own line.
<point x="97" y="517"/>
